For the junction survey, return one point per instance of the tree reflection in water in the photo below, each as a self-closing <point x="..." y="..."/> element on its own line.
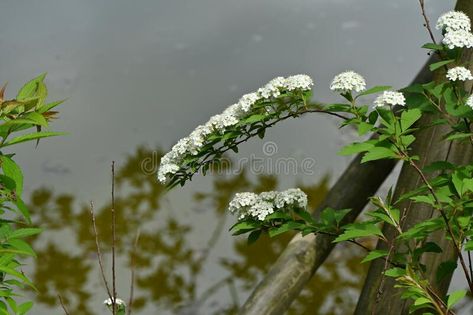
<point x="168" y="268"/>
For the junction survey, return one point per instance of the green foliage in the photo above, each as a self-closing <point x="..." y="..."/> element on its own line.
<point x="28" y="111"/>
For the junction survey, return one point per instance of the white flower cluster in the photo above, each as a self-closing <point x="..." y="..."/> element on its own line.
<point x="390" y="98"/>
<point x="348" y="81"/>
<point x="453" y="21"/>
<point x="118" y="302"/>
<point x="457" y="27"/>
<point x="458" y="39"/>
<point x="249" y="204"/>
<point x="469" y="101"/>
<point x="459" y="74"/>
<point x="191" y="145"/>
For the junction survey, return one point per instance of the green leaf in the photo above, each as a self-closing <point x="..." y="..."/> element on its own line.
<point x="469" y="245"/>
<point x="12" y="170"/>
<point x="289" y="226"/>
<point x="306" y="216"/>
<point x="38" y="119"/>
<point x="436" y="65"/>
<point x="454" y="297"/>
<point x="395" y="272"/>
<point x="356" y="147"/>
<point x="452" y="105"/>
<point x="33" y="136"/>
<point x="378" y="153"/>
<point x="24" y="307"/>
<point x="339" y="214"/>
<point x="22" y="246"/>
<point x="30" y="89"/>
<point x="468" y="184"/>
<point x="278" y="215"/>
<point x="421" y="301"/>
<point x="16" y="274"/>
<point x="386" y="115"/>
<point x="407" y="140"/>
<point x="12" y="303"/>
<point x="457" y="180"/>
<point x="409" y="117"/>
<point x="376" y="89"/>
<point x="422" y="229"/>
<point x="363" y="128"/>
<point x="344" y="108"/>
<point x="25" y="232"/>
<point x="445" y="269"/>
<point x="429" y="247"/>
<point x="414" y="88"/>
<point x="49" y="106"/>
<point x="375" y="254"/>
<point x="23" y="210"/>
<point x="357" y="230"/>
<point x="254" y="236"/>
<point x="244" y="227"/>
<point x="433" y="46"/>
<point x="253" y="119"/>
<point x="428" y="199"/>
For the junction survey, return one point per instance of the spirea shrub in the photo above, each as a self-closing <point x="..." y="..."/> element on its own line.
<point x="393" y="117"/>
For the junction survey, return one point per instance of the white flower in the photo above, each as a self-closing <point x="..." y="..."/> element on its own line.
<point x="247" y="100"/>
<point x="453" y="21"/>
<point x="458" y="39"/>
<point x="241" y="203"/>
<point x="390" y="98"/>
<point x="221" y="121"/>
<point x="469" y="101"/>
<point x="197" y="138"/>
<point x="268" y="195"/>
<point x="165" y="170"/>
<point x="118" y="302"/>
<point x="459" y="74"/>
<point x="272" y="88"/>
<point x="299" y="81"/>
<point x="218" y="124"/>
<point x="291" y="197"/>
<point x="249" y="204"/>
<point x="181" y="147"/>
<point x="348" y="81"/>
<point x="261" y="209"/>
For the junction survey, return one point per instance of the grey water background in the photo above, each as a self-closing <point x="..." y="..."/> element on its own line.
<point x="147" y="72"/>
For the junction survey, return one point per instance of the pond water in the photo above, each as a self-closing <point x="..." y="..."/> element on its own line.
<point x="140" y="75"/>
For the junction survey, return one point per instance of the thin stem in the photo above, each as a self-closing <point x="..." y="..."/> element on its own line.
<point x="99" y="253"/>
<point x="383" y="276"/>
<point x="426" y="21"/>
<point x="114" y="306"/>
<point x="223" y="149"/>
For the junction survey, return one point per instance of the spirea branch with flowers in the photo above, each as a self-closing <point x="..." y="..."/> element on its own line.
<point x="446" y="188"/>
